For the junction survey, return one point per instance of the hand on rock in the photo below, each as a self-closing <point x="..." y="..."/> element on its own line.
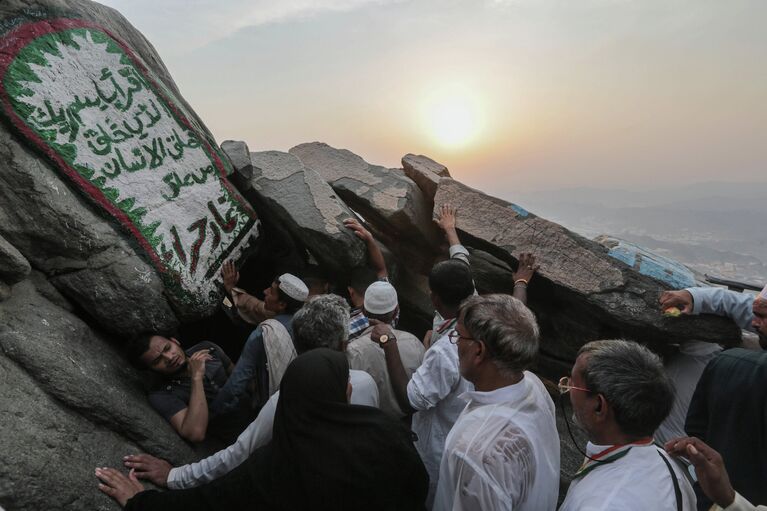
<point x="526" y="268"/>
<point x="681" y="299"/>
<point x="230" y="275"/>
<point x="148" y="467"/>
<point x="117" y="485"/>
<point x="446" y="217"/>
<point x="359" y="229"/>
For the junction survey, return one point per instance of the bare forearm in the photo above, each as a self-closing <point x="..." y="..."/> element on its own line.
<point x="377" y="261"/>
<point x="520" y="292"/>
<point x="397" y="376"/>
<point x="452" y="236"/>
<point x="195" y="424"/>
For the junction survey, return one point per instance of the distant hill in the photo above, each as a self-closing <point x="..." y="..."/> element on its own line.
<point x="714" y="227"/>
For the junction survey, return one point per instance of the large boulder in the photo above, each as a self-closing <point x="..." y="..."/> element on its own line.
<point x="385" y="197"/>
<point x="581" y="293"/>
<point x="69" y="400"/>
<point x="302" y="201"/>
<point x="106" y="172"/>
<point x="425" y="172"/>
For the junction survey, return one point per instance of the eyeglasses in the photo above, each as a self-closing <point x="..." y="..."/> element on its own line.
<point x="454" y="337"/>
<point x="565" y="387"/>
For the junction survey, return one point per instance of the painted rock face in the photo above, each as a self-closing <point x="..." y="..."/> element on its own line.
<point x="81" y="97"/>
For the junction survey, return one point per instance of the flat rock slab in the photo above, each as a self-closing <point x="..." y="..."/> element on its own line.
<point x="100" y="117"/>
<point x="385" y="197"/>
<point x="305" y="204"/>
<point x="577" y="277"/>
<point x="425" y="172"/>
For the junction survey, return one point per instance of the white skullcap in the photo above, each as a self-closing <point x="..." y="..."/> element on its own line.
<point x="380" y="298"/>
<point x="763" y="294"/>
<point x="293" y="287"/>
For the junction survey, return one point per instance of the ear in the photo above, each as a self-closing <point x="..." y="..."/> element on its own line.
<point x="602" y="410"/>
<point x="173" y="339"/>
<point x="481" y="352"/>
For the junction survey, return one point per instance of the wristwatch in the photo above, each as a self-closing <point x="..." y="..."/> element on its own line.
<point x="386" y="338"/>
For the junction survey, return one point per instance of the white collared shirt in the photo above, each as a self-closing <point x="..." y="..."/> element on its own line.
<point x="433" y="391"/>
<point x="636" y="481"/>
<point x="503" y="452"/>
<point x="257" y="434"/>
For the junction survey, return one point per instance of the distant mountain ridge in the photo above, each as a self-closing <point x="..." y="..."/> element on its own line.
<point x="713" y="227"/>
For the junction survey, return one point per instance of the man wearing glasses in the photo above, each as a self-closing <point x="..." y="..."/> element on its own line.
<point x="503" y="451"/>
<point x="620" y="394"/>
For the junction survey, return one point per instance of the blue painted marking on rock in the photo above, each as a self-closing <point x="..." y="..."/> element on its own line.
<point x="647" y="263"/>
<point x="624" y="255"/>
<point x="520" y="211"/>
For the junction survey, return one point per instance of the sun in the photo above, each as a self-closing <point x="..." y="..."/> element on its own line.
<point x="452" y="117"/>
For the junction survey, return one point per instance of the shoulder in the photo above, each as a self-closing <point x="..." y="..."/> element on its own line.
<point x="361" y="378"/>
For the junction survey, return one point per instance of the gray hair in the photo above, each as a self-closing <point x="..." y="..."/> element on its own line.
<point x="632" y="380"/>
<point x="507" y="328"/>
<point x="323" y="322"/>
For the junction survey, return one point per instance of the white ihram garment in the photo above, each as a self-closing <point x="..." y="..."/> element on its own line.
<point x="503" y="452"/>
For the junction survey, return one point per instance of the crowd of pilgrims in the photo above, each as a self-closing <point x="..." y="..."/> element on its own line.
<point x="352" y="413"/>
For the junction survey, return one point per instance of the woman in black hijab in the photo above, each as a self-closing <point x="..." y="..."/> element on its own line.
<point x="324" y="454"/>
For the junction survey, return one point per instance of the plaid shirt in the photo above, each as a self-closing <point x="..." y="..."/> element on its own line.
<point x="358" y="323"/>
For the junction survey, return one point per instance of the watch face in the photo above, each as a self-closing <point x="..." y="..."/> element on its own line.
<point x="383" y="338"/>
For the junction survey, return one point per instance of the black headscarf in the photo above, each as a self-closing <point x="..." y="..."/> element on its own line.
<point x="324" y="454"/>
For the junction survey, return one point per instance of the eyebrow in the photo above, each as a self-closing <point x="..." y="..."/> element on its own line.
<point x="163" y="350"/>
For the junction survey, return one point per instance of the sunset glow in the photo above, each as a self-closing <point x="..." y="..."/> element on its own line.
<point x="452" y="117"/>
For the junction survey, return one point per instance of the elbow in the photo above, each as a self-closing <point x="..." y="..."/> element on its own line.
<point x="195" y="435"/>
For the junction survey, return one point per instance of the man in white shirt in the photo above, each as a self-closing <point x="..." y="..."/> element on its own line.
<point x="381" y="305"/>
<point x="322" y="323"/>
<point x="432" y="391"/>
<point x="620" y="394"/>
<point x="503" y="451"/>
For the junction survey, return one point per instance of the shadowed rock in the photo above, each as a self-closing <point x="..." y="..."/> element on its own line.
<point x="301" y="201"/>
<point x="580" y="293"/>
<point x="238" y="153"/>
<point x="77" y="367"/>
<point x="14" y="267"/>
<point x="384" y="197"/>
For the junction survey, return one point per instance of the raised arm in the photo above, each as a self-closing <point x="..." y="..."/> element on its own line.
<point x="376" y="258"/>
<point x="523" y="275"/>
<point x="192" y="422"/>
<point x="397" y="375"/>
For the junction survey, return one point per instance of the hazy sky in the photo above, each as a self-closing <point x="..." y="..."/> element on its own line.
<point x="515" y="94"/>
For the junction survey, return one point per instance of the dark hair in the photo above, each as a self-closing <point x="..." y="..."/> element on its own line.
<point x="137" y="346"/>
<point x="451" y="281"/>
<point x="361" y="278"/>
<point x="383" y="318"/>
<point x="291" y="304"/>
<point x="632" y="380"/>
<point x="507" y="328"/>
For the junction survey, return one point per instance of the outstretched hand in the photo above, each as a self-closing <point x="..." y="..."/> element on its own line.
<point x="709" y="467"/>
<point x="446" y="217"/>
<point x="359" y="229"/>
<point x="526" y="268"/>
<point x="230" y="275"/>
<point x="681" y="299"/>
<point x="118" y="486"/>
<point x="148" y="467"/>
